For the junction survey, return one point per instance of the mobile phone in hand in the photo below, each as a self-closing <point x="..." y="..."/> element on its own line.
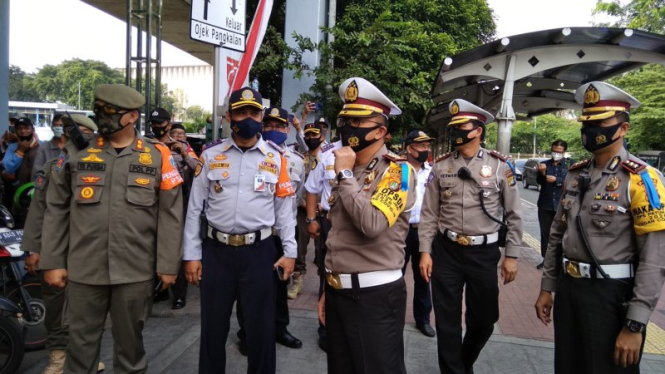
<point x="291" y="116"/>
<point x="158" y="288"/>
<point x="280" y="272"/>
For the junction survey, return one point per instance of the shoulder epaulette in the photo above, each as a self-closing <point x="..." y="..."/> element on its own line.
<point x="393" y="157"/>
<point x="212" y="144"/>
<point x="500" y="156"/>
<point x="298" y="154"/>
<point x="633" y="166"/>
<point x="327" y="147"/>
<point x="579" y="165"/>
<point x="152" y="140"/>
<point x="277" y="148"/>
<point x="443" y="157"/>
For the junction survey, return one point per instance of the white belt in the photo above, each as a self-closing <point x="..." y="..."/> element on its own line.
<point x="466" y="240"/>
<point x="370" y="279"/>
<point x="583" y="270"/>
<point x="237" y="240"/>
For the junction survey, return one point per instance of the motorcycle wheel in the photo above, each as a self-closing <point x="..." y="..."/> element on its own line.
<point x="35" y="336"/>
<point x="12" y="348"/>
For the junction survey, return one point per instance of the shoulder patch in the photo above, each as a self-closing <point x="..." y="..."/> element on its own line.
<point x="212" y="144"/>
<point x="579" y="165"/>
<point x="277" y="148"/>
<point x="152" y="140"/>
<point x="500" y="156"/>
<point x="443" y="157"/>
<point x="393" y="157"/>
<point x="298" y="154"/>
<point x="633" y="166"/>
<point x="327" y="147"/>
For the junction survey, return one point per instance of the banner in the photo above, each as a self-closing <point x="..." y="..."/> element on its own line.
<point x="235" y="66"/>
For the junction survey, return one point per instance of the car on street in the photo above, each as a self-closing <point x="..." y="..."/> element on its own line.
<point x="531" y="172"/>
<point x="519" y="168"/>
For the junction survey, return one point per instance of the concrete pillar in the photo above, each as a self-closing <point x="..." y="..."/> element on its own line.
<point x="506" y="115"/>
<point x="305" y="17"/>
<point x="4" y="65"/>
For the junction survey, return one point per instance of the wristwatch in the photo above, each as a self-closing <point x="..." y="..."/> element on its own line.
<point x="310" y="220"/>
<point x="634" y="326"/>
<point x="344" y="174"/>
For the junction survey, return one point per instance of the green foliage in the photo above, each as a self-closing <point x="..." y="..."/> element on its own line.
<point x="648" y="15"/>
<point x="194" y="118"/>
<point x="397" y="45"/>
<point x="648" y="121"/>
<point x="20" y="85"/>
<point x="61" y="82"/>
<point x="548" y="128"/>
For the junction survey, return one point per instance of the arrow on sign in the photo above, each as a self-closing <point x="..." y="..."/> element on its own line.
<point x="205" y="9"/>
<point x="233" y="7"/>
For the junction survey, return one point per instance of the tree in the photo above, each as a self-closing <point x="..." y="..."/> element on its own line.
<point x="396" y="44"/>
<point x="20" y="85"/>
<point x="61" y="82"/>
<point x="648" y="15"/>
<point x="648" y="121"/>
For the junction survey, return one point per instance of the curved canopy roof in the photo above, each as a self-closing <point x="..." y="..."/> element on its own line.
<point x="548" y="66"/>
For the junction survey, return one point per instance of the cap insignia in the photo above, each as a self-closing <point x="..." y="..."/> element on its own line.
<point x="454" y="109"/>
<point x="247" y="94"/>
<point x="351" y="93"/>
<point x="274" y="112"/>
<point x="591" y="96"/>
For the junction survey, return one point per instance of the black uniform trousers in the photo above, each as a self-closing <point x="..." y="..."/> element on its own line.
<point x="325" y="225"/>
<point x="281" y="300"/>
<point x="545" y="219"/>
<point x="422" y="296"/>
<point x="245" y="273"/>
<point x="588" y="316"/>
<point x="454" y="267"/>
<point x="365" y="328"/>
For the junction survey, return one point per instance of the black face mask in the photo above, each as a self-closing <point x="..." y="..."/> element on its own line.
<point x="355" y="137"/>
<point x="159" y="131"/>
<point x="422" y="156"/>
<point x="596" y="137"/>
<point x="313" y="143"/>
<point x="25" y="138"/>
<point x="459" y="136"/>
<point x="247" y="128"/>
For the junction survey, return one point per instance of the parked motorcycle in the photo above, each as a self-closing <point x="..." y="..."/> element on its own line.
<point x="12" y="346"/>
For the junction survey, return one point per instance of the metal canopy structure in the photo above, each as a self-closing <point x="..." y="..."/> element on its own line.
<point x="537" y="73"/>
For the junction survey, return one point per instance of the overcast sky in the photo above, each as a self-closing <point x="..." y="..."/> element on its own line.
<point x="65" y="29"/>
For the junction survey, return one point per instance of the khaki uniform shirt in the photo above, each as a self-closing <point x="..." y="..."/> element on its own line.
<point x="32" y="234"/>
<point x="296" y="166"/>
<point x="619" y="224"/>
<point x="361" y="239"/>
<point x="114" y="218"/>
<point x="454" y="204"/>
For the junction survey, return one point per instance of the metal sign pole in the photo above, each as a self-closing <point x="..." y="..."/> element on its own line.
<point x="215" y="94"/>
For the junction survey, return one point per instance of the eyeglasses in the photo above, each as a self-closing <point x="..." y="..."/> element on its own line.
<point x="354" y="122"/>
<point x="272" y="126"/>
<point x="108" y="109"/>
<point x="178" y="133"/>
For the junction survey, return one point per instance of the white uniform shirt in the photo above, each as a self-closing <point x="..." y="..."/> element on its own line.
<point x="421" y="186"/>
<point x="322" y="178"/>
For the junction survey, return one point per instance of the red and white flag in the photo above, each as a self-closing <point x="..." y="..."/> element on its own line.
<point x="235" y="66"/>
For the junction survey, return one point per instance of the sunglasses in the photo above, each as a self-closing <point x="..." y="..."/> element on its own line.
<point x="354" y="122"/>
<point x="108" y="109"/>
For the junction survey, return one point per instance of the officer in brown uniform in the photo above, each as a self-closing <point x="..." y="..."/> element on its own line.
<point x="605" y="254"/>
<point x="461" y="229"/>
<point x="364" y="303"/>
<point x="54" y="297"/>
<point x="113" y="220"/>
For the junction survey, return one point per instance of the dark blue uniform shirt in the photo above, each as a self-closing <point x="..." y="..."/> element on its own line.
<point x="550" y="193"/>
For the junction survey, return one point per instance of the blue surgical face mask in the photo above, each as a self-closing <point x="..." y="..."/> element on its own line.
<point x="275" y="136"/>
<point x="247" y="128"/>
<point x="57" y="131"/>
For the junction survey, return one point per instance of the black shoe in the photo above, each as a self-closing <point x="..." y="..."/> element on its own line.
<point x="286" y="339"/>
<point x="427" y="330"/>
<point x="541" y="265"/>
<point x="242" y="347"/>
<point x="179" y="303"/>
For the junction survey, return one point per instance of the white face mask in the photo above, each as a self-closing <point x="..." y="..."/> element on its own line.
<point x="57" y="131"/>
<point x="557" y="156"/>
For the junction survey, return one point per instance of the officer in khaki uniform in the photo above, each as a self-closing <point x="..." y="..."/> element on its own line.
<point x="54" y="297"/>
<point x="605" y="254"/>
<point x="364" y="304"/>
<point x="459" y="242"/>
<point x="113" y="220"/>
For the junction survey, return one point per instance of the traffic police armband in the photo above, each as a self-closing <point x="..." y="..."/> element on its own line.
<point x="645" y="191"/>
<point x="390" y="195"/>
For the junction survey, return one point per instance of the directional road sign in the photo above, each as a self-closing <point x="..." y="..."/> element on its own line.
<point x="219" y="22"/>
